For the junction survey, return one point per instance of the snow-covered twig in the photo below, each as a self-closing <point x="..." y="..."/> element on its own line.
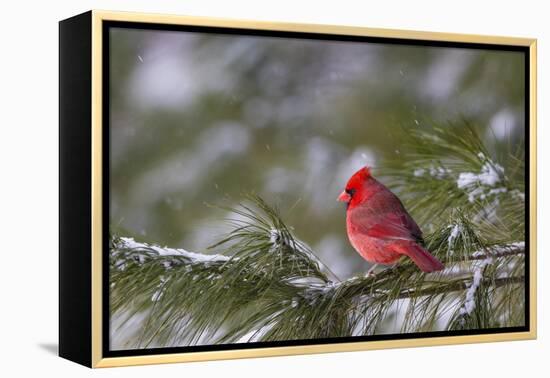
<point x="470" y="302"/>
<point x="511" y="249"/>
<point x="193" y="257"/>
<point x="126" y="247"/>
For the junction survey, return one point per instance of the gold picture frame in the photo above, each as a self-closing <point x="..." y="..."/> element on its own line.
<point x="89" y="328"/>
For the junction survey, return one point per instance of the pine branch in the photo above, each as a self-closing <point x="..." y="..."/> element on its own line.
<point x="168" y="258"/>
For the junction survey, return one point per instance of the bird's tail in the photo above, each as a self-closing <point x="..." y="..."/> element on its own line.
<point x="421" y="257"/>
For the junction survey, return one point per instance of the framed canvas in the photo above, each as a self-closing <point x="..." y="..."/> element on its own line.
<point x="235" y="189"/>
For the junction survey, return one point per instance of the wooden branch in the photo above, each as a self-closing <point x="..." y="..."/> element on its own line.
<point x="459" y="286"/>
<point x="500" y="252"/>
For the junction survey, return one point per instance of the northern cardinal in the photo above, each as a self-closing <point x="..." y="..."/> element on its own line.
<point x="378" y="225"/>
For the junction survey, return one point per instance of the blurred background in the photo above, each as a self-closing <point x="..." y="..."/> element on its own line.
<point x="201" y="119"/>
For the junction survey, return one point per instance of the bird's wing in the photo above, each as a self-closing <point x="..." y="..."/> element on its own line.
<point x="392" y="228"/>
<point x="386" y="225"/>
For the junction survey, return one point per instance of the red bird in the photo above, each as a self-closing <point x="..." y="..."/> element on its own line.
<point x="379" y="227"/>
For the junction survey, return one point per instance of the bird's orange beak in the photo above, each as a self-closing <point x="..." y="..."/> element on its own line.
<point x="344" y="197"/>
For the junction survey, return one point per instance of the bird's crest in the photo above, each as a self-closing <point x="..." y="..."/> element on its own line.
<point x="358" y="178"/>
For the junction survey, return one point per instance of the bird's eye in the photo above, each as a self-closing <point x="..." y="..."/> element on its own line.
<point x="351" y="192"/>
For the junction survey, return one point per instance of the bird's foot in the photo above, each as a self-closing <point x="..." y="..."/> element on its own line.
<point x="370" y="272"/>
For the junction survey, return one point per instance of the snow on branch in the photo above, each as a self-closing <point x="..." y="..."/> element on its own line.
<point x="192" y="257"/>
